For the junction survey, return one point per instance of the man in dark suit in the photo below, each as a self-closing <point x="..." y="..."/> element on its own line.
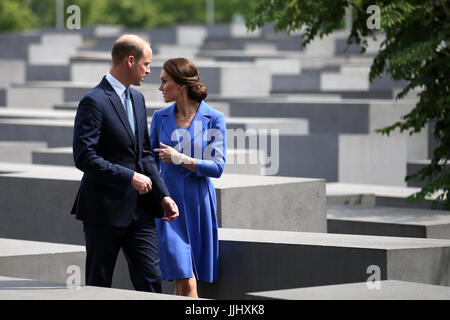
<point x="121" y="191"/>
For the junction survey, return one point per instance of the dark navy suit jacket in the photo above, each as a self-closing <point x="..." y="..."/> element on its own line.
<point x="108" y="153"/>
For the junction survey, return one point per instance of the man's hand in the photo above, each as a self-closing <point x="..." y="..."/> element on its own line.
<point x="141" y="183"/>
<point x="170" y="209"/>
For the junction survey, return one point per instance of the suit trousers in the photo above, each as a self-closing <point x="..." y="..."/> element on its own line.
<point x="140" y="246"/>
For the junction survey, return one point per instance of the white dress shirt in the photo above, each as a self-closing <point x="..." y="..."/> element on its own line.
<point x="119" y="88"/>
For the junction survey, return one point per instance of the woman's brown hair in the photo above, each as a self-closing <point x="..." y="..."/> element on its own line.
<point x="184" y="71"/>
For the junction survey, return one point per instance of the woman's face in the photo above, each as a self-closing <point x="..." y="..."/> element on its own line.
<point x="169" y="88"/>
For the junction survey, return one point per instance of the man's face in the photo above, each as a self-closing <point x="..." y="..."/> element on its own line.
<point x="141" y="68"/>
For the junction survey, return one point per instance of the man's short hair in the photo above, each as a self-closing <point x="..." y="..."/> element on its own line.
<point x="128" y="45"/>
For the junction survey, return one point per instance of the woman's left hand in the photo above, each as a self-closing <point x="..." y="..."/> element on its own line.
<point x="167" y="154"/>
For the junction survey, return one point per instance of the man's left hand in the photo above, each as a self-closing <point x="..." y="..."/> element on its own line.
<point x="170" y="209"/>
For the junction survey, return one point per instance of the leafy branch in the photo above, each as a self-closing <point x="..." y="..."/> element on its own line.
<point x="415" y="48"/>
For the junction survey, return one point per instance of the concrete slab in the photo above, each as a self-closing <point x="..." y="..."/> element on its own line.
<point x="12" y="71"/>
<point x="343" y="48"/>
<point x="36" y="126"/>
<point x="54" y="49"/>
<point x="73" y="105"/>
<point x="279" y="43"/>
<point x="175" y="50"/>
<point x="224" y="78"/>
<point x="255" y="260"/>
<point x="19" y="151"/>
<point x="380" y="195"/>
<point x="289" y="203"/>
<point x="244" y="161"/>
<point x="344" y="82"/>
<point x="287" y="126"/>
<point x="372" y="159"/>
<point x="238" y="161"/>
<point x="281" y="155"/>
<point x="230" y="30"/>
<point x="389" y="290"/>
<point x="15" y="45"/>
<point x="23" y="113"/>
<point x="301" y="202"/>
<point x="43" y="261"/>
<point x="280" y="65"/>
<point x="46" y="94"/>
<point x="323" y="117"/>
<point x="27" y="289"/>
<point x="278" y="203"/>
<point x="386" y="221"/>
<point x="383" y="114"/>
<point x="50" y="54"/>
<point x="54" y="156"/>
<point x="414" y="166"/>
<point x="47" y="73"/>
<point x="26" y="96"/>
<point x="190" y="34"/>
<point x="2" y="97"/>
<point x="56" y="133"/>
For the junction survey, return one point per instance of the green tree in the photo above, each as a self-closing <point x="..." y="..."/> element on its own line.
<point x="416" y="49"/>
<point x="128" y="13"/>
<point x="225" y="10"/>
<point x="44" y="10"/>
<point x="15" y="15"/>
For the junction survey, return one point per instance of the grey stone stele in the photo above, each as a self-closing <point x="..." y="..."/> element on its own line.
<point x="413" y="166"/>
<point x="386" y="221"/>
<point x="325" y="85"/>
<point x="63" y="157"/>
<point x="47" y="94"/>
<point x="50" y="191"/>
<point x="57" y="133"/>
<point x="40" y="260"/>
<point x="219" y="77"/>
<point x="384" y="290"/>
<point x="374" y="195"/>
<point x="32" y="113"/>
<point x="261" y="260"/>
<point x="13" y="288"/>
<point x="19" y="151"/>
<point x="278" y="203"/>
<point x="292" y="146"/>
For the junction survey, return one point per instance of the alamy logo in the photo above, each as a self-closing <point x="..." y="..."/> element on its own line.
<point x="373" y="22"/>
<point x="74" y="279"/>
<point x="373" y="282"/>
<point x="74" y="20"/>
<point x="254" y="147"/>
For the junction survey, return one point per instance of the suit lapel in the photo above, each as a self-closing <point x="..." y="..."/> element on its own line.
<point x="118" y="106"/>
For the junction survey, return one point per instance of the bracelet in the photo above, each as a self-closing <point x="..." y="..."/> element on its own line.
<point x="180" y="160"/>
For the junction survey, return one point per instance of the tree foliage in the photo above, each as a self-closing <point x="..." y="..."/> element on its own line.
<point x="16" y="15"/>
<point x="24" y="14"/>
<point x="415" y="49"/>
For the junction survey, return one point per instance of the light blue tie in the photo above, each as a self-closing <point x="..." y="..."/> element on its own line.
<point x="129" y="109"/>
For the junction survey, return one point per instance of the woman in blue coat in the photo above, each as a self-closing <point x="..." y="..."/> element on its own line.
<point x="190" y="139"/>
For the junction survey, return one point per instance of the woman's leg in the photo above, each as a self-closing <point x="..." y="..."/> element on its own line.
<point x="186" y="287"/>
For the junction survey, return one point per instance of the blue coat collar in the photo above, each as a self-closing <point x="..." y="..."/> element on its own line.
<point x="169" y="122"/>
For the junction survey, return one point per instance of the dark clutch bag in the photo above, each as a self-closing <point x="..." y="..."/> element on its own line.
<point x="151" y="204"/>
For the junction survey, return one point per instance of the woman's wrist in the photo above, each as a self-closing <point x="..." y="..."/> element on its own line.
<point x="179" y="159"/>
